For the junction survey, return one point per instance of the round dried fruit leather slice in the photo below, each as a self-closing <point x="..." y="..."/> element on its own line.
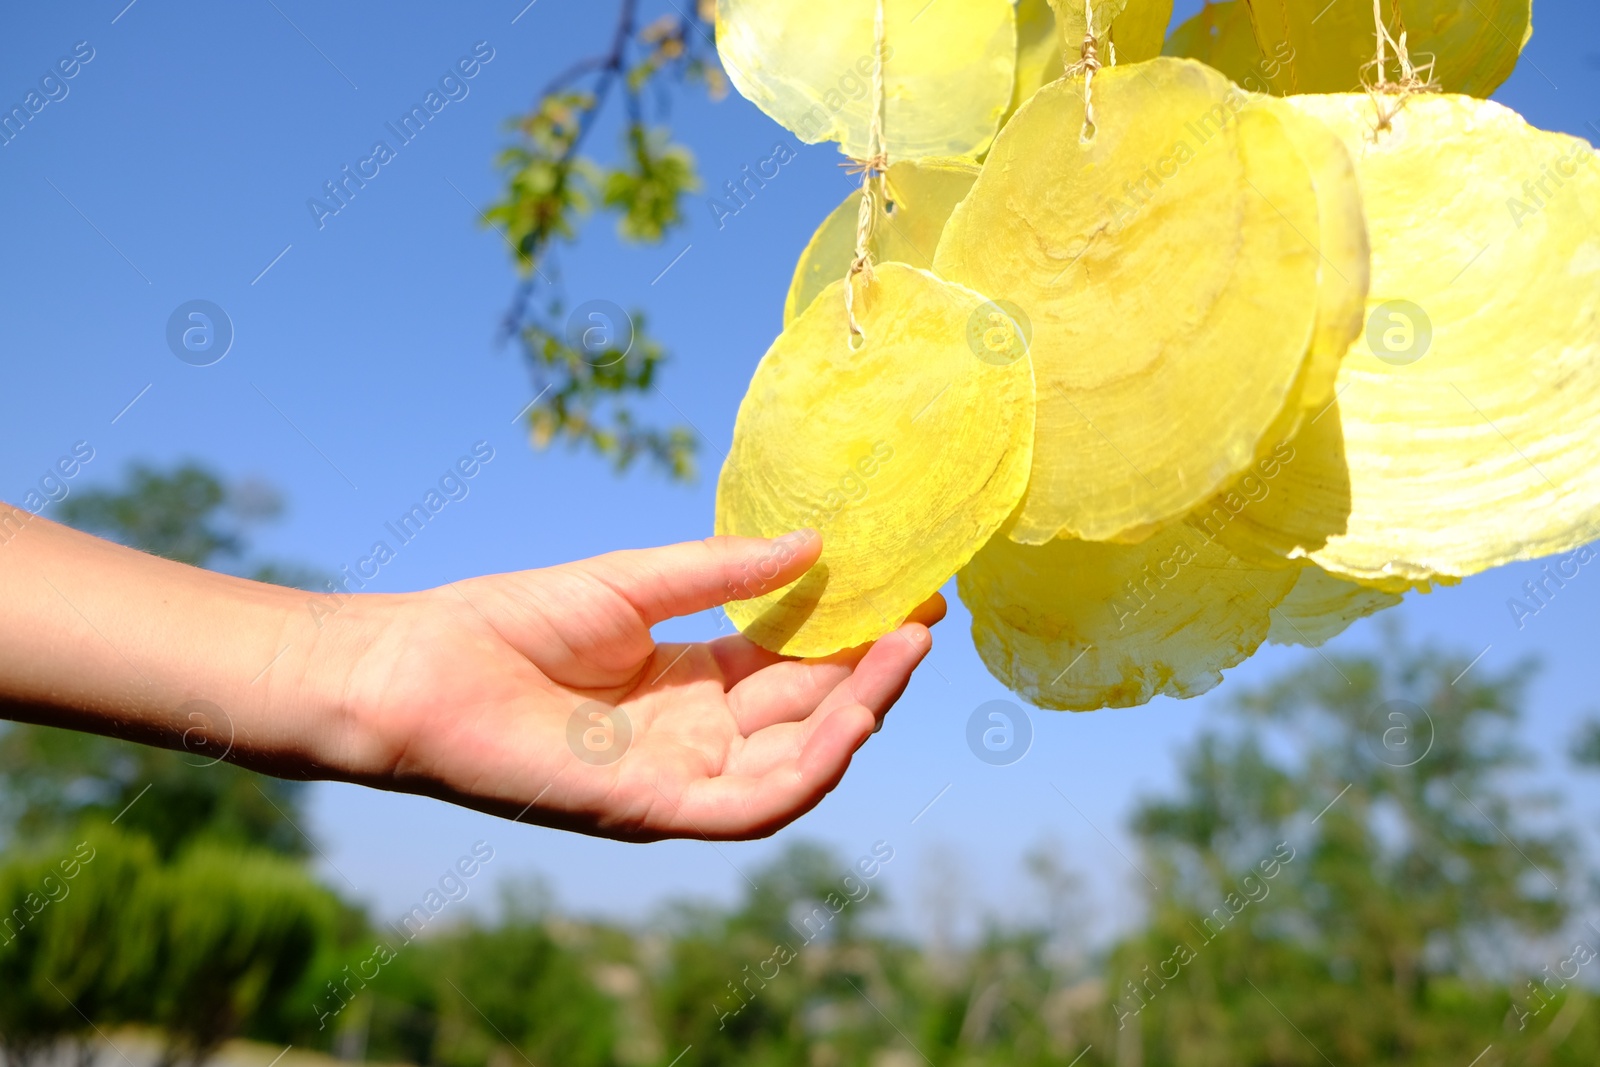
<point x="924" y="195"/>
<point x="948" y="70"/>
<point x="1078" y="626"/>
<point x="1320" y="607"/>
<point x="1320" y="47"/>
<point x="906" y="454"/>
<point x="1171" y="289"/>
<point x="1462" y="437"/>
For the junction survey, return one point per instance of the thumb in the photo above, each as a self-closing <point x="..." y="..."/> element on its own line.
<point x="663" y="583"/>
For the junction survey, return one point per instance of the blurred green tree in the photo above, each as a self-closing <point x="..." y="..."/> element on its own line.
<point x="96" y="931"/>
<point x="232" y="931"/>
<point x="188" y="514"/>
<point x="521" y="988"/>
<point x="785" y="977"/>
<point x="1585" y="750"/>
<point x="67" y="954"/>
<point x="50" y="779"/>
<point x="1348" y="876"/>
<point x="516" y="988"/>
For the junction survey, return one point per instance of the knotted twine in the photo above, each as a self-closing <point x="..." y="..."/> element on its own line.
<point x="1087" y="65"/>
<point x="1413" y="79"/>
<point x="873" y="190"/>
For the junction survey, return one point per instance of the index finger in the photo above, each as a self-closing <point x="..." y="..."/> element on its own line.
<point x="663" y="583"/>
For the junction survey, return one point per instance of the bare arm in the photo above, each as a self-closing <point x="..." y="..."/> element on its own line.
<point x="538" y="695"/>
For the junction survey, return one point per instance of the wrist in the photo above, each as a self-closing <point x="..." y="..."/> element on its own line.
<point x="331" y="688"/>
<point x="361" y="682"/>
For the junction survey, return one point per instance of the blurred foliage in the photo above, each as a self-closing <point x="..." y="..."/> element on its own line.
<point x="1586" y="745"/>
<point x="229" y="933"/>
<point x="1352" y="868"/>
<point x="1326" y="883"/>
<point x="1417" y="883"/>
<point x="190" y="515"/>
<point x="66" y="944"/>
<point x="51" y="780"/>
<point x="99" y="931"/>
<point x="578" y="379"/>
<point x="584" y="394"/>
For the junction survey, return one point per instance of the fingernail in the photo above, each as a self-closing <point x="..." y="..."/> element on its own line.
<point x="799" y="537"/>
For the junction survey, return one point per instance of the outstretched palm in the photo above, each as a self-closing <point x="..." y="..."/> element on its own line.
<point x="542" y="696"/>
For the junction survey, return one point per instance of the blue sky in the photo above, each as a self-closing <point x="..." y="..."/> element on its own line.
<point x="178" y="167"/>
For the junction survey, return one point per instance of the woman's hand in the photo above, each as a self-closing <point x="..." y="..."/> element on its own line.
<point x="541" y="695"/>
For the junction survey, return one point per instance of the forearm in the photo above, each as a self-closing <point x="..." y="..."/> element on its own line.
<point x="97" y="637"/>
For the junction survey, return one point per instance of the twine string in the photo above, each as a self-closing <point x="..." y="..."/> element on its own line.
<point x="1389" y="97"/>
<point x="1087" y="65"/>
<point x="873" y="187"/>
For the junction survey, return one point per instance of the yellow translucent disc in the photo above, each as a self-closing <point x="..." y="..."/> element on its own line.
<point x="1169" y="271"/>
<point x="907" y="455"/>
<point x="1136" y="27"/>
<point x="1464" y="433"/>
<point x="1141" y="29"/>
<point x="1077" y="626"/>
<point x="924" y="195"/>
<point x="1038" y="51"/>
<point x="1220" y="35"/>
<point x="1344" y="273"/>
<point x="948" y="70"/>
<point x="1345" y="256"/>
<point x="1320" y="607"/>
<point x="1322" y="47"/>
<point x="1072" y="20"/>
